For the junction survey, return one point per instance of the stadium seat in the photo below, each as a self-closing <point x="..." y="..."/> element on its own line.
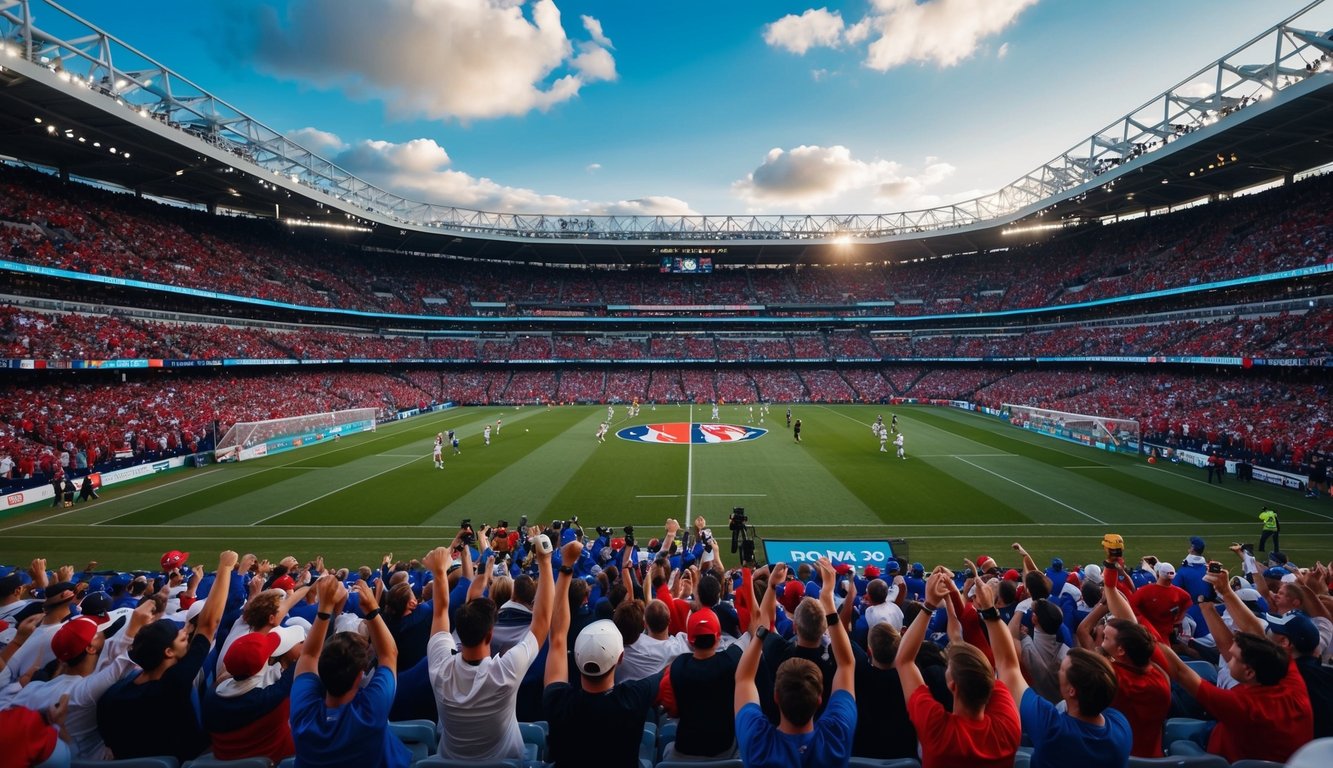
<point x="208" y="761"/>
<point x="1205" y="669"/>
<point x="1316" y="754"/>
<point x="435" y="761"/>
<point x="418" y="735"/>
<point x="666" y="733"/>
<point x="1258" y="764"/>
<point x="287" y="762"/>
<point x="735" y="763"/>
<point x="872" y="762"/>
<point x="1179" y="761"/>
<point x="534" y="739"/>
<point x="164" y="761"/>
<point x="1182" y="729"/>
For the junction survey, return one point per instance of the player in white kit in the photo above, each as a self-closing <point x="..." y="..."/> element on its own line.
<point x="486" y="434"/>
<point x="437" y="453"/>
<point x="898" y="441"/>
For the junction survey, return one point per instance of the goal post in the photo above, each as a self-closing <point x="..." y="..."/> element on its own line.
<point x="252" y="439"/>
<point x="1106" y="432"/>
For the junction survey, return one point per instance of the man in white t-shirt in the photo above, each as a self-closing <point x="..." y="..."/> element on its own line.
<point x="649" y="647"/>
<point x="474" y="691"/>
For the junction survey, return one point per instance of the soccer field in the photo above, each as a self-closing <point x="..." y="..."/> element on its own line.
<point x="970" y="485"/>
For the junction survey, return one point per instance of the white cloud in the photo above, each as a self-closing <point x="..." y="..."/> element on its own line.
<point x="442" y="59"/>
<point x="594" y="28"/>
<point x="942" y="32"/>
<point x="593" y="167"/>
<point x="816" y="27"/>
<point x="1004" y="51"/>
<point x="315" y="140"/>
<point x="807" y="176"/>
<point x="421" y="169"/>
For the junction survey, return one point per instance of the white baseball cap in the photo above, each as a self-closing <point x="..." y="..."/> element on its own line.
<point x="1092" y="573"/>
<point x="598" y="648"/>
<point x="288" y="637"/>
<point x="1166" y="569"/>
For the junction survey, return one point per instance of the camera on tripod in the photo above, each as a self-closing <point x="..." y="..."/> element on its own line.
<point x="742" y="535"/>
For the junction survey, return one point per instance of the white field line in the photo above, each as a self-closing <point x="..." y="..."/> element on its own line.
<point x="689" y="470"/>
<point x="261" y="535"/>
<point x="894" y="526"/>
<point x="1238" y="493"/>
<point x="339" y="490"/>
<point x="1091" y="466"/>
<point x="1031" y="490"/>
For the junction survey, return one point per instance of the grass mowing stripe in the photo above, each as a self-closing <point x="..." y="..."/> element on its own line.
<point x="1154" y="493"/>
<point x="1033" y="490"/>
<point x="173" y="508"/>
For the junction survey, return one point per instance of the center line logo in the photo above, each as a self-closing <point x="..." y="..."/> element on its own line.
<point x="684" y="433"/>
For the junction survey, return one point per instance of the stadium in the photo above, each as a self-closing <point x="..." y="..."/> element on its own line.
<point x="220" y="339"/>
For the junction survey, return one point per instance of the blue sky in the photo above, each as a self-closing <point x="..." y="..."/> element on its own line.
<point x="728" y="106"/>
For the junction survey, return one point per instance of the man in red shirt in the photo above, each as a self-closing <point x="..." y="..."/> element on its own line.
<point x="1267" y="716"/>
<point x="1161" y="604"/>
<point x="1143" y="692"/>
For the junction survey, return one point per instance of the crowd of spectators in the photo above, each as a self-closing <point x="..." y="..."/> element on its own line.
<point x="35" y="334"/>
<point x="508" y="645"/>
<point x="76" y="227"/>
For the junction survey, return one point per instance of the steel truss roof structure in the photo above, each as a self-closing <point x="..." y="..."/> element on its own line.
<point x="1269" y="73"/>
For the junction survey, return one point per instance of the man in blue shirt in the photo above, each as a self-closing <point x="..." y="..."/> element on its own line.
<point x="335" y="720"/>
<point x="1089" y="733"/>
<point x="798" y="739"/>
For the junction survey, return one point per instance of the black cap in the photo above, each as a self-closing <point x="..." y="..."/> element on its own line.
<point x="95" y="604"/>
<point x="54" y="591"/>
<point x="151" y="643"/>
<point x="10" y="583"/>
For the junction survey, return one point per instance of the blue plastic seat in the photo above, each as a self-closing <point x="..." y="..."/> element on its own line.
<point x="1182" y="729"/>
<point x="209" y="761"/>
<point x="435" y="761"/>
<point x="417" y="735"/>
<point x="1257" y="764"/>
<point x="162" y="761"/>
<point x="875" y="762"/>
<point x="1179" y="761"/>
<point x="1205" y="669"/>
<point x="1316" y="754"/>
<point x="733" y="763"/>
<point x="534" y="739"/>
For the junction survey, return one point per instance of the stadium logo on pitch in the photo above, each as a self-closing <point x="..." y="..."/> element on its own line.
<point x="683" y="433"/>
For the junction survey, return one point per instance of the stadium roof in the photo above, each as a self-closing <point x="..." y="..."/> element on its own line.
<point x="97" y="108"/>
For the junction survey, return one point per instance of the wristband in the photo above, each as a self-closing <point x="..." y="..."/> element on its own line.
<point x="566" y="570"/>
<point x="323" y="615"/>
<point x="373" y="614"/>
<point x="930" y="608"/>
<point x="760" y="632"/>
<point x="831" y="618"/>
<point x="989" y="614"/>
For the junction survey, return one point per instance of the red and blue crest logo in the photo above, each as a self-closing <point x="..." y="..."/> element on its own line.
<point x="684" y="433"/>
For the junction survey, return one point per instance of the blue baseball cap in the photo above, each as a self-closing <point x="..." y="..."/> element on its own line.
<point x="1057" y="564"/>
<point x="1275" y="573"/>
<point x="893" y="566"/>
<point x="918" y="568"/>
<point x="1196" y="544"/>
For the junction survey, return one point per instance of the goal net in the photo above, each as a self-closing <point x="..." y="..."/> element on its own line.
<point x="1105" y="432"/>
<point x="252" y="439"/>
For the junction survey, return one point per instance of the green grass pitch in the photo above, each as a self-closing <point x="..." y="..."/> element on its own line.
<point x="971" y="485"/>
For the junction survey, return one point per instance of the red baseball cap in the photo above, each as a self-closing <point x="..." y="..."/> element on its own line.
<point x="872" y="572"/>
<point x="703" y="622"/>
<point x="792" y="592"/>
<point x="73" y="638"/>
<point x="982" y="560"/>
<point x="842" y="569"/>
<point x="1012" y="575"/>
<point x="285" y="581"/>
<point x="174" y="559"/>
<point x="247" y="656"/>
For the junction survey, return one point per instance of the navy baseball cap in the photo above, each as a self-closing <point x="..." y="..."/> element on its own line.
<point x="1196" y="544"/>
<point x="1298" y="628"/>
